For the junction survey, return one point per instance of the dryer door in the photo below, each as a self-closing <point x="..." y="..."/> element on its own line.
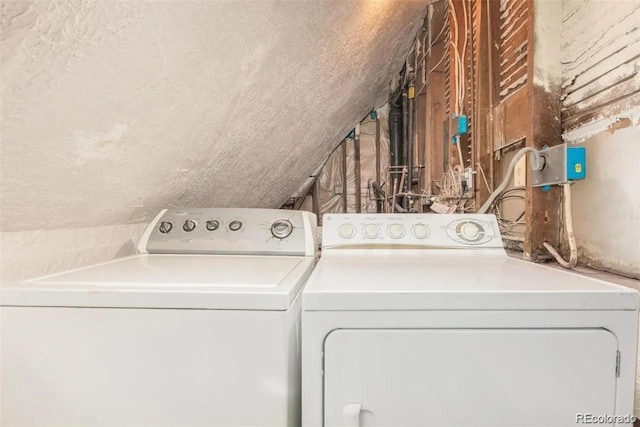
<point x="467" y="377"/>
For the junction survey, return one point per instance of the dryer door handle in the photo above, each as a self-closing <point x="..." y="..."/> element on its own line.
<point x="351" y="414"/>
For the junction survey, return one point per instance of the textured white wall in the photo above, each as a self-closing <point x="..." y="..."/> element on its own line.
<point x="600" y="72"/>
<point x="606" y="205"/>
<point x="114" y="110"/>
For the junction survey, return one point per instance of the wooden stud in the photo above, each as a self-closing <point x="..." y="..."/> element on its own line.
<point x="542" y="209"/>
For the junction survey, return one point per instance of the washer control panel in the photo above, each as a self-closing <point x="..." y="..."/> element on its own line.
<point x="424" y="230"/>
<point x="231" y="231"/>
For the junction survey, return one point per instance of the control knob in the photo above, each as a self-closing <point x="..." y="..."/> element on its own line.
<point x="189" y="225"/>
<point x="420" y="231"/>
<point x="165" y="227"/>
<point x="235" y="225"/>
<point x="371" y="231"/>
<point x="212" y="225"/>
<point x="281" y="228"/>
<point x="396" y="231"/>
<point x="346" y="231"/>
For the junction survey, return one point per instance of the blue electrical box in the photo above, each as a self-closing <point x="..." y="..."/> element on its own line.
<point x="459" y="125"/>
<point x="576" y="163"/>
<point x="562" y="164"/>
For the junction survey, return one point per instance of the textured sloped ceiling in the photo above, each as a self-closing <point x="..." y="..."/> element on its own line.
<point x="114" y="110"/>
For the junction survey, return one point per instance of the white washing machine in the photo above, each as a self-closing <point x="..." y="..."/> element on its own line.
<point x="423" y="320"/>
<point x="200" y="329"/>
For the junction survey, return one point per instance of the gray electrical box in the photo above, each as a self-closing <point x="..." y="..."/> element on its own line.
<point x="561" y="164"/>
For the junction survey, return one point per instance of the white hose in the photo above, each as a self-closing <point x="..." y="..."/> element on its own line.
<point x="506" y="179"/>
<point x="573" y="257"/>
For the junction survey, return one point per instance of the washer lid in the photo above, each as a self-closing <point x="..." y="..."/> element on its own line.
<point x="466" y="280"/>
<point x="171" y="281"/>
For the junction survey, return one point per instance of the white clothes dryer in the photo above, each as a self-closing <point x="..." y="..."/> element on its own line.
<point x="423" y="320"/>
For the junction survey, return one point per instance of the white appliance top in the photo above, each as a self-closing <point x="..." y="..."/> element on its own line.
<point x="260" y="265"/>
<point x="171" y="281"/>
<point x="442" y="271"/>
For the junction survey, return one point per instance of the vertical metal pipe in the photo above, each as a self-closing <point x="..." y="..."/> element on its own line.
<point x="410" y="139"/>
<point x="344" y="175"/>
<point x="356" y="163"/>
<point x="378" y="165"/>
<point x="315" y="198"/>
<point x="395" y="141"/>
<point x="405" y="139"/>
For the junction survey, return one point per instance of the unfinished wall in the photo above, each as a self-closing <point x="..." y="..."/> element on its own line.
<point x="330" y="177"/>
<point x="601" y="111"/>
<point x="114" y="110"/>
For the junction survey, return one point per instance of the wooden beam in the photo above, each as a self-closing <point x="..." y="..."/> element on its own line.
<point x="421" y="130"/>
<point x="542" y="209"/>
<point x="511" y="119"/>
<point x="435" y="111"/>
<point x="493" y="38"/>
<point x="482" y="142"/>
<point x="457" y="33"/>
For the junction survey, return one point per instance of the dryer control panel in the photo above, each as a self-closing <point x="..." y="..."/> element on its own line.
<point x="231" y="231"/>
<point x="411" y="230"/>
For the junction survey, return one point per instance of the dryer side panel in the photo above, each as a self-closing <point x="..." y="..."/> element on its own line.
<point x="464" y="377"/>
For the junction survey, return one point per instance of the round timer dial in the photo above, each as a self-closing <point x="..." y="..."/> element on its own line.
<point x="281" y="228"/>
<point x="470" y="231"/>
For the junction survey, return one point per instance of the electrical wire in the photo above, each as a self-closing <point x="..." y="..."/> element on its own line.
<point x="499" y="195"/>
<point x="568" y="219"/>
<point x="456" y="56"/>
<point x="459" y="70"/>
<point x="507" y="227"/>
<point x="459" y="152"/>
<point x="444" y="55"/>
<point x="484" y="177"/>
<point x="435" y="40"/>
<point x="464" y="50"/>
<point x="485" y="207"/>
<point x="451" y="192"/>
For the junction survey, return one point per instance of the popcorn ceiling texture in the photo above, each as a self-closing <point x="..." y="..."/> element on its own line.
<point x="112" y="111"/>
